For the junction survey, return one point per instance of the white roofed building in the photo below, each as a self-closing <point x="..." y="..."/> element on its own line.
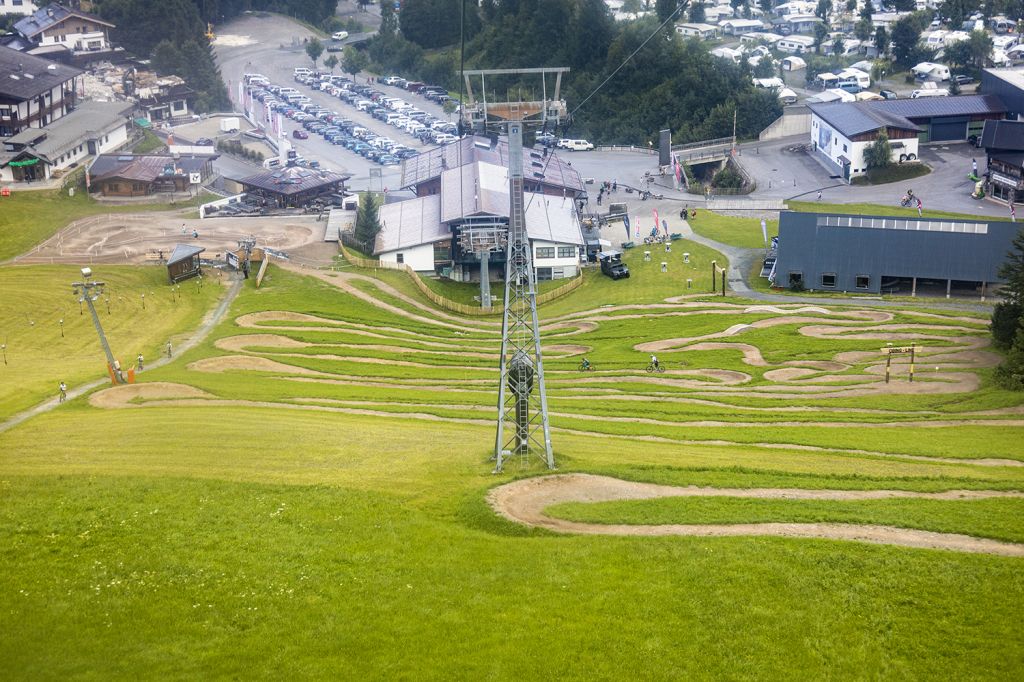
<point x="462" y="190"/>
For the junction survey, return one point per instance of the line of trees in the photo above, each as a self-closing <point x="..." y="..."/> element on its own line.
<point x="1008" y="319"/>
<point x="670" y="83"/>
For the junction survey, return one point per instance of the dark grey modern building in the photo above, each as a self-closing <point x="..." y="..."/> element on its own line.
<point x="1008" y="84"/>
<point x="899" y="255"/>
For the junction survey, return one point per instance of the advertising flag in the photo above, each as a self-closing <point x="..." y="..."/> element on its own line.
<point x="764" y="232"/>
<point x="625" y="221"/>
<point x="664" y="226"/>
<point x="638" y="227"/>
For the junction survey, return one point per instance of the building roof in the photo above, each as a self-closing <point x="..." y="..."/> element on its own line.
<point x="47" y="17"/>
<point x="183" y="252"/>
<point x="90" y="120"/>
<point x="1003" y="135"/>
<point x="430" y="164"/>
<point x="166" y="94"/>
<point x="856" y="118"/>
<point x="409" y="223"/>
<point x="293" y="180"/>
<point x="145" y="168"/>
<point x="1014" y="77"/>
<point x="474" y="189"/>
<point x="24" y="76"/>
<point x="956" y="105"/>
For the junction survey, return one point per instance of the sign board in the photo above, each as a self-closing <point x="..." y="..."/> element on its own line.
<point x="195" y="178"/>
<point x="896" y="350"/>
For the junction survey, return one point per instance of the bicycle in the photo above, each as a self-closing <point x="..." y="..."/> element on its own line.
<point x="659" y="368"/>
<point x="586" y="368"/>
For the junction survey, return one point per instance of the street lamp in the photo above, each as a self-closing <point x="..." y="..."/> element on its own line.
<point x="88" y="291"/>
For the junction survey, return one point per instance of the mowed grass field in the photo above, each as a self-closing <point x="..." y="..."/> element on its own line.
<point x="315" y="503"/>
<point x="41" y="352"/>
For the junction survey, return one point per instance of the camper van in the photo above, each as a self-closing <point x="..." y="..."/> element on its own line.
<point x="930" y="71"/>
<point x="857" y="76"/>
<point x="929" y="90"/>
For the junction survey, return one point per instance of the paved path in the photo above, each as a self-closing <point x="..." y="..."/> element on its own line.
<point x="197" y="337"/>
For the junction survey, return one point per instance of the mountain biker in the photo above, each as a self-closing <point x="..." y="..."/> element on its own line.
<point x="654" y="361"/>
<point x="585" y="364"/>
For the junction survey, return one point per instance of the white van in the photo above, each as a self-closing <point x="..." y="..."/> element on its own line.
<point x="340" y="35"/>
<point x="929" y="90"/>
<point x="391" y="118"/>
<point x="301" y="71"/>
<point x="578" y="145"/>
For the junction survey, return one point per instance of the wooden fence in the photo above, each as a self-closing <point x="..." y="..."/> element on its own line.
<point x="446" y="303"/>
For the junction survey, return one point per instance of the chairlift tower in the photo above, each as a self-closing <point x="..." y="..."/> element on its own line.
<point x="523" y="428"/>
<point x="87" y="291"/>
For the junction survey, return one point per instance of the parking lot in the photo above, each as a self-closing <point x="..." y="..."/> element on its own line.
<point x="262" y="47"/>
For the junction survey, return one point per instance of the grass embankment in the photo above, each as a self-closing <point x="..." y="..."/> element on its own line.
<point x="30" y="217"/>
<point x="37" y="298"/>
<point x="219" y="540"/>
<point x="877" y="209"/>
<point x="893" y="173"/>
<point x="742" y="232"/>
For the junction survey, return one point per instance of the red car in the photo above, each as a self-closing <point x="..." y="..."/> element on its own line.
<point x="300" y="134"/>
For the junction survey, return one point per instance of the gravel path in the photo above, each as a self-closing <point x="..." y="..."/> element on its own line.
<point x="524" y="502"/>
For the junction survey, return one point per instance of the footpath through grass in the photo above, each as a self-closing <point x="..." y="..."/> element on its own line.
<point x="742" y="232"/>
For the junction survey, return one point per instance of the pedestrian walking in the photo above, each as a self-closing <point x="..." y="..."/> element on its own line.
<point x="919" y="207"/>
<point x="974" y="167"/>
<point x="140" y="362"/>
<point x="183" y="230"/>
<point x="1013" y="212"/>
<point x="63" y="392"/>
<point x="819" y="195"/>
<point x="615" y="185"/>
<point x="168" y="349"/>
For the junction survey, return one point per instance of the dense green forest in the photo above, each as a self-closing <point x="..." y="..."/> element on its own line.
<point x="671" y="82"/>
<point x="173" y="34"/>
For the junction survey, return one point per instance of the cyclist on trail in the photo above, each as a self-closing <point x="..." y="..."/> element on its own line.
<point x="585" y="364"/>
<point x="654" y="361"/>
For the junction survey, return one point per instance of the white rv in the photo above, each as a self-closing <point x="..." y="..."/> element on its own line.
<point x="930" y="71"/>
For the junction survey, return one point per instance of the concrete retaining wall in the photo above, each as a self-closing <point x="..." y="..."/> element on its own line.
<point x="795" y="120"/>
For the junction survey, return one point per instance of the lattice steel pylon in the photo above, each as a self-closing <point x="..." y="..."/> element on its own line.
<point x="523" y="428"/>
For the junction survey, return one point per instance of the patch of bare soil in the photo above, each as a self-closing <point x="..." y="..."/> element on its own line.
<point x="237" y="344"/>
<point x="525" y="501"/>
<point x="133" y="395"/>
<point x="228" y="363"/>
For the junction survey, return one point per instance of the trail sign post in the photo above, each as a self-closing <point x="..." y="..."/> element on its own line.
<point x="890" y="351"/>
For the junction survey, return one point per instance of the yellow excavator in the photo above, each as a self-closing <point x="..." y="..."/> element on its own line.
<point x="210" y="35"/>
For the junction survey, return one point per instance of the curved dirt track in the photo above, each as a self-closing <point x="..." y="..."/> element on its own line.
<point x="524" y="502"/>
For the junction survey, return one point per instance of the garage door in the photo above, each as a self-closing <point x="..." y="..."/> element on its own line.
<point x="949" y="129"/>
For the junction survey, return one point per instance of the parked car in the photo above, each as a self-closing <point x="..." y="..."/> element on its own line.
<point x="300" y="134"/>
<point x="963" y="79"/>
<point x="888" y="94"/>
<point x="340" y="35"/>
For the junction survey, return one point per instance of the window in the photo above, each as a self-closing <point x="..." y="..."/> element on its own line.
<point x="828" y="279"/>
<point x="796" y="278"/>
<point x="400" y="258"/>
<point x="566" y="251"/>
<point x="863" y="282"/>
<point x="545" y="252"/>
<point x="543" y="274"/>
<point x="844" y="147"/>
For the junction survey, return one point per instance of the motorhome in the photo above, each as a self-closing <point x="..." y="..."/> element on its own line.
<point x="929" y="90"/>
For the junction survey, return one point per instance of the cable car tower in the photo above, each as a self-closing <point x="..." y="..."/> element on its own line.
<point x="522" y="427"/>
